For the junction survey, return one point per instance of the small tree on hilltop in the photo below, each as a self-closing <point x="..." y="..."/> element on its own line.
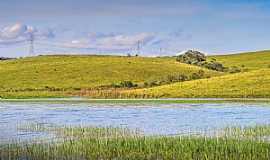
<point x="199" y="59"/>
<point x="191" y="57"/>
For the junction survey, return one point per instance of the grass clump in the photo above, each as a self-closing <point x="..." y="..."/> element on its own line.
<point x="109" y="143"/>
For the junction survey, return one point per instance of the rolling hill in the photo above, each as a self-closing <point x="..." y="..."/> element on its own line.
<point x="39" y="76"/>
<point x="248" y="60"/>
<point x="72" y="75"/>
<point x="253" y="84"/>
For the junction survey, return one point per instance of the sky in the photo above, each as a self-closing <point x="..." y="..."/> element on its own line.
<point x="147" y="27"/>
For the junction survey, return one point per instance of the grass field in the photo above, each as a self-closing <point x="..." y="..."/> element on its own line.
<point x="111" y="143"/>
<point x="92" y="76"/>
<point x="249" y="60"/>
<point x="254" y="84"/>
<point x="45" y="76"/>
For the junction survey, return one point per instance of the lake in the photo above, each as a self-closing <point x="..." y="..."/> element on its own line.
<point x="150" y="118"/>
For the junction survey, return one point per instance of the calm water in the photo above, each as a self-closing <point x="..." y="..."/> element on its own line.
<point x="152" y="119"/>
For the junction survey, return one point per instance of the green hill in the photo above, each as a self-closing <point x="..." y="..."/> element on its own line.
<point x="53" y="75"/>
<point x="77" y="75"/>
<point x="249" y="60"/>
<point x="249" y="84"/>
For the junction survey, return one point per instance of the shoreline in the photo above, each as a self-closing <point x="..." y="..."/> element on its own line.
<point x="162" y="100"/>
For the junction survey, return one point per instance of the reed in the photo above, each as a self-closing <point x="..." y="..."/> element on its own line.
<point x="117" y="143"/>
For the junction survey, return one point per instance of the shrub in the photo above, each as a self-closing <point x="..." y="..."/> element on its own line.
<point x="194" y="76"/>
<point x="170" y="78"/>
<point x="175" y="78"/>
<point x="153" y="83"/>
<point x="124" y="84"/>
<point x="145" y="84"/>
<point x="201" y="73"/>
<point x="127" y="84"/>
<point x="199" y="59"/>
<point x="115" y="85"/>
<point x="182" y="77"/>
<point x="214" y="66"/>
<point x="191" y="57"/>
<point x="234" y="69"/>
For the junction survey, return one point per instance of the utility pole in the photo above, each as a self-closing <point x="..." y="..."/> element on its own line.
<point x="138" y="48"/>
<point x="31" y="47"/>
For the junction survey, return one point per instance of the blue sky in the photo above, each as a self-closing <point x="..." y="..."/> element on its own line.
<point x="162" y="27"/>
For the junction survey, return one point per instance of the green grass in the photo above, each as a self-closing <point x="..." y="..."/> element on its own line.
<point x="255" y="84"/>
<point x="55" y="76"/>
<point x="250" y="60"/>
<point x="91" y="76"/>
<point x="109" y="143"/>
<point x="138" y="101"/>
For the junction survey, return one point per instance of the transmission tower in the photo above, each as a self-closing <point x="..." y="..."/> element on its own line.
<point x="31" y="47"/>
<point x="160" y="50"/>
<point x="138" y="48"/>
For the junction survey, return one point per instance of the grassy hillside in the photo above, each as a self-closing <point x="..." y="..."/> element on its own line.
<point x="250" y="60"/>
<point x="249" y="84"/>
<point x="67" y="73"/>
<point x="60" y="76"/>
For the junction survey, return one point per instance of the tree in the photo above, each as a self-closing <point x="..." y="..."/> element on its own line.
<point x="199" y="59"/>
<point x="191" y="57"/>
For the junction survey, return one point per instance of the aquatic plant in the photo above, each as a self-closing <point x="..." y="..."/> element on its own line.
<point x="114" y="143"/>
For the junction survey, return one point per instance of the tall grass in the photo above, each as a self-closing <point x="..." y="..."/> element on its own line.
<point x="115" y="143"/>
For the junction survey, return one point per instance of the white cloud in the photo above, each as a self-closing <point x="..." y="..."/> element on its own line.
<point x="21" y="32"/>
<point x="125" y="40"/>
<point x="111" y="41"/>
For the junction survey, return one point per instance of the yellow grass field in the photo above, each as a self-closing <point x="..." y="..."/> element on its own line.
<point x="253" y="84"/>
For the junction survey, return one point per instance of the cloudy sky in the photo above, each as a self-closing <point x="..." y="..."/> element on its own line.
<point x="160" y="27"/>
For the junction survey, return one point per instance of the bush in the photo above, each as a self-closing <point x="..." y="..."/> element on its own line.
<point x="115" y="85"/>
<point x="214" y="66"/>
<point x="191" y="57"/>
<point x="201" y="73"/>
<point x="199" y="59"/>
<point x="124" y="84"/>
<point x="234" y="69"/>
<point x="170" y="78"/>
<point x="175" y="78"/>
<point x="127" y="84"/>
<point x="194" y="76"/>
<point x="153" y="83"/>
<point x="198" y="75"/>
<point x="182" y="78"/>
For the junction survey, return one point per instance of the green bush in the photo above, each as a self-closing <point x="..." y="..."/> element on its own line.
<point x="234" y="69"/>
<point x="124" y="84"/>
<point x="127" y="84"/>
<point x="214" y="66"/>
<point x="191" y="57"/>
<point x="198" y="75"/>
<point x="115" y="85"/>
<point x="175" y="78"/>
<point x="199" y="59"/>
